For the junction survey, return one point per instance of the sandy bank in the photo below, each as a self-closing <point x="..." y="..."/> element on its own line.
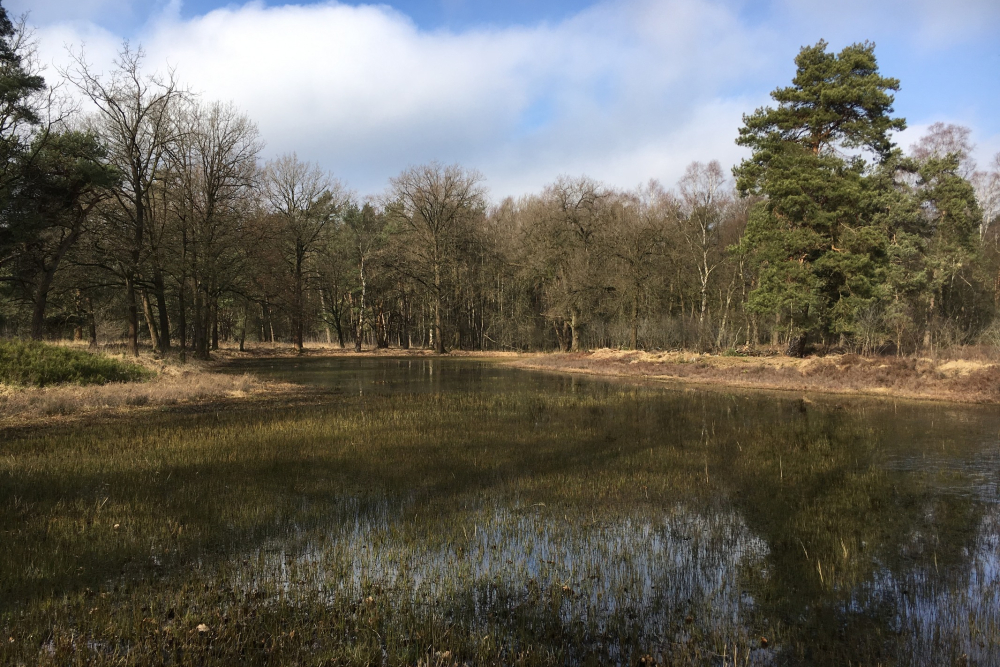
<point x="958" y="381"/>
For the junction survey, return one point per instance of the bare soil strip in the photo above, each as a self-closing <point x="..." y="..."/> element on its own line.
<point x="901" y="377"/>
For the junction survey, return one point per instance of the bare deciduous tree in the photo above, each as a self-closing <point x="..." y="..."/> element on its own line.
<point x="987" y="185"/>
<point x="637" y="242"/>
<point x="134" y="117"/>
<point x="432" y="204"/>
<point x="943" y="139"/>
<point x="304" y="201"/>
<point x="705" y="198"/>
<point x="212" y="193"/>
<point x="567" y="221"/>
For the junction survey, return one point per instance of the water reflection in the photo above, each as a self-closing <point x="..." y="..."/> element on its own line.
<point x="837" y="530"/>
<point x="435" y="506"/>
<point x="605" y="582"/>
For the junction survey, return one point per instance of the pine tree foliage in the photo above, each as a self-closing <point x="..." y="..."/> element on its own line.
<point x="838" y="221"/>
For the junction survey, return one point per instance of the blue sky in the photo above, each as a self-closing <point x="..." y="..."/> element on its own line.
<point x="622" y="90"/>
<point x="457" y="14"/>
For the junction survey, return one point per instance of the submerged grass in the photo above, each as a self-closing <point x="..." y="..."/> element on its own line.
<point x="532" y="521"/>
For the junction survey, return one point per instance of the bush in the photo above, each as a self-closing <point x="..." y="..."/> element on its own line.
<point x="37" y="364"/>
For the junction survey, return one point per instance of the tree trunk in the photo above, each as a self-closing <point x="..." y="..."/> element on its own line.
<point x="574" y="334"/>
<point x="324" y="312"/>
<point x="928" y="330"/>
<point x="438" y="329"/>
<point x="202" y="321"/>
<point x="338" y="325"/>
<point x="243" y="329"/>
<point x="725" y="315"/>
<point x="133" y="315"/>
<point x="48" y="275"/>
<point x="215" y="324"/>
<point x="361" y="307"/>
<point x="560" y="338"/>
<point x="197" y="331"/>
<point x="147" y="311"/>
<point x="41" y="298"/>
<point x="182" y="320"/>
<point x="80" y="316"/>
<point x="92" y="322"/>
<point x="797" y="345"/>
<point x="386" y="326"/>
<point x="635" y="322"/>
<point x="404" y="334"/>
<point x="160" y="293"/>
<point x="298" y="306"/>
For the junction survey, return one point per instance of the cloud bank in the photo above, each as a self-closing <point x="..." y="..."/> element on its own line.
<point x="623" y="91"/>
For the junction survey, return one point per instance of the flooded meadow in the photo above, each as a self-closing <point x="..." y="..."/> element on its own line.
<point x="457" y="511"/>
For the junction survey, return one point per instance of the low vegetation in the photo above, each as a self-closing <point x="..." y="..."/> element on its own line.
<point x="37" y="364"/>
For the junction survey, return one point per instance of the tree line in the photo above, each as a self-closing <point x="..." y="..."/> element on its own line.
<point x="152" y="220"/>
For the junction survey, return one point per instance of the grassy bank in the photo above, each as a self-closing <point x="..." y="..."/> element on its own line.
<point x="965" y="381"/>
<point x="44" y="383"/>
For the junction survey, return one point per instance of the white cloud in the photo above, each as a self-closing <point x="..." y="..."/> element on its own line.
<point x="623" y="91"/>
<point x="620" y="91"/>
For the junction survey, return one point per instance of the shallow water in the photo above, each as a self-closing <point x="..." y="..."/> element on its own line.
<point x="460" y="510"/>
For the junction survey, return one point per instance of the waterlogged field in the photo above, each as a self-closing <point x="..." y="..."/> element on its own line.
<point x="455" y="511"/>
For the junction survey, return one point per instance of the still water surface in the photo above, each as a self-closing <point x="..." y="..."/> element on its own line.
<point x="864" y="528"/>
<point x="464" y="509"/>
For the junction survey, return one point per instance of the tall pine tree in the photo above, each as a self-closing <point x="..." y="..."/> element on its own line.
<point x="814" y="240"/>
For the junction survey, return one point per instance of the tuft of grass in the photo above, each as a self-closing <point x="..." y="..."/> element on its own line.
<point x="36" y="364"/>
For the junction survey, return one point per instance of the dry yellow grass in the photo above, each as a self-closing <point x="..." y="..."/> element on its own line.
<point x="963" y="380"/>
<point x="19" y="404"/>
<point x="175" y="383"/>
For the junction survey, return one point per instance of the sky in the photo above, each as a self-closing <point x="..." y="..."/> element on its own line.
<point x="525" y="91"/>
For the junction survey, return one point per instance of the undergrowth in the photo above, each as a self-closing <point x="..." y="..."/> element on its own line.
<point x="37" y="364"/>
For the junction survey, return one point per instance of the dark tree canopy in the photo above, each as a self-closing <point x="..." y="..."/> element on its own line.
<point x="836" y="102"/>
<point x="813" y="237"/>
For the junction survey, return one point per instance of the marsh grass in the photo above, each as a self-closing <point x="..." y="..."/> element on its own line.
<point x="534" y="521"/>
